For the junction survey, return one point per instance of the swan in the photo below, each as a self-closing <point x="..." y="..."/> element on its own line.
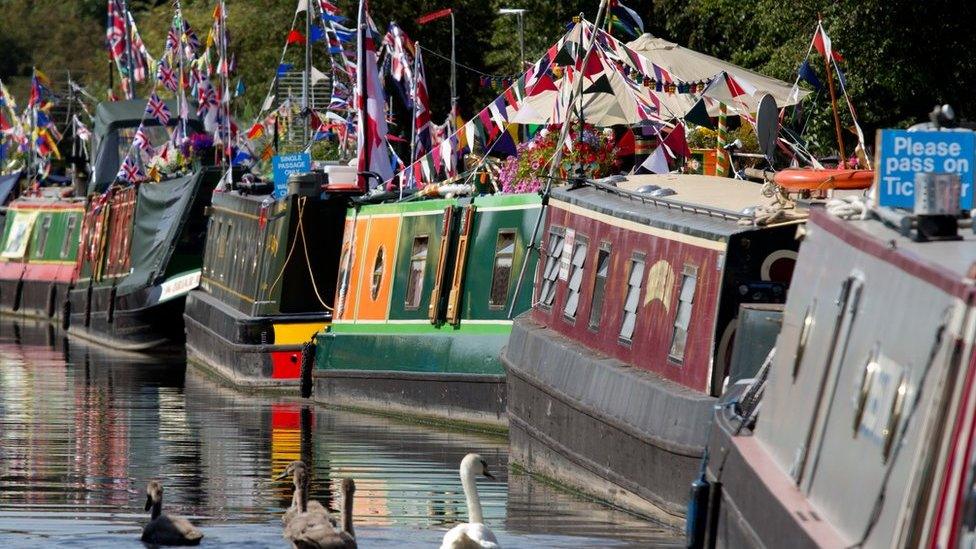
<point x="299" y="471"/>
<point x="311" y="526"/>
<point x="166" y="529"/>
<point x="474" y="534"/>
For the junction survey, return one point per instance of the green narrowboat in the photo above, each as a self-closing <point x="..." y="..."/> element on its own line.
<point x="39" y="255"/>
<point x="422" y="307"/>
<point x="268" y="280"/>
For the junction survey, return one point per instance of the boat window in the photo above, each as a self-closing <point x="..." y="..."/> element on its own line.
<point x="575" y="277"/>
<point x="377" y="274"/>
<point x="634" y="284"/>
<point x="41" y="241"/>
<point x="682" y="319"/>
<point x="501" y="272"/>
<point x="805" y="331"/>
<point x="599" y="285"/>
<point x="69" y="236"/>
<point x="418" y="268"/>
<point x="550" y="273"/>
<point x="867" y="380"/>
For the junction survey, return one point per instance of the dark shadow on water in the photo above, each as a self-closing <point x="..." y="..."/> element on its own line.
<point x="83" y="429"/>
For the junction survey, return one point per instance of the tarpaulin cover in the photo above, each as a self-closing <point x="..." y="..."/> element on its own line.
<point x="160" y="211"/>
<point x="110" y="116"/>
<point x="7" y="183"/>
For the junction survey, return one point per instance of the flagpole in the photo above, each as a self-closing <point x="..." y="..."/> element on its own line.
<point x="413" y="118"/>
<point x="130" y="78"/>
<point x="556" y="159"/>
<point x="454" y="95"/>
<point x="31" y="143"/>
<point x="306" y="81"/>
<point x="833" y="101"/>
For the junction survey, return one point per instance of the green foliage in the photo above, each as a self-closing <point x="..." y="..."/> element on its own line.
<point x="901" y="56"/>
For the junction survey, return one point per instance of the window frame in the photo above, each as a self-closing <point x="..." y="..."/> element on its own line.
<point x="70" y="228"/>
<point x="44" y="229"/>
<point x="605" y="248"/>
<point x="376" y="284"/>
<point x="635" y="258"/>
<point x="407" y="306"/>
<point x="554" y="230"/>
<point x="513" y="232"/>
<point x="688" y="271"/>
<point x="578" y="241"/>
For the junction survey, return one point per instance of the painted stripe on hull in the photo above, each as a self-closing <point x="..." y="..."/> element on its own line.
<point x="638" y="227"/>
<point x="424" y="327"/>
<point x="297" y="333"/>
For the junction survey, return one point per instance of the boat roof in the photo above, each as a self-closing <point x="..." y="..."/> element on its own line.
<point x="954" y="261"/>
<point x="704" y="206"/>
<point x="733" y="195"/>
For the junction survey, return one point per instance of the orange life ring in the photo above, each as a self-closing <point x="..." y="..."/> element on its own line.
<point x="806" y="179"/>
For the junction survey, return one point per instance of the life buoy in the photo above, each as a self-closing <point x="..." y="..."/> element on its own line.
<point x="806" y="179"/>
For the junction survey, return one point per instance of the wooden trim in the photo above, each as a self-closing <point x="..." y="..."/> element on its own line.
<point x="457" y="281"/>
<point x="434" y="308"/>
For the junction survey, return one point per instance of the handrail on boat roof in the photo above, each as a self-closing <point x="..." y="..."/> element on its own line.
<point x="670" y="204"/>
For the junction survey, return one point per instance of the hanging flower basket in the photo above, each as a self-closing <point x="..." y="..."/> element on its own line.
<point x="527" y="171"/>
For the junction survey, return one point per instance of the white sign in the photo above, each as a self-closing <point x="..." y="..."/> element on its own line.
<point x="179" y="285"/>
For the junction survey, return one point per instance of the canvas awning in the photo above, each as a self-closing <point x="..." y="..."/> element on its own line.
<point x="689" y="65"/>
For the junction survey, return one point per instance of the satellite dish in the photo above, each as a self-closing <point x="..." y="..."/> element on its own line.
<point x="767" y="126"/>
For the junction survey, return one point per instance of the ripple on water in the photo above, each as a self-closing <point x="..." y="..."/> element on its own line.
<point x="82" y="431"/>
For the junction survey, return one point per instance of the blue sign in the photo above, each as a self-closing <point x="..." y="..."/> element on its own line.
<point x="904" y="153"/>
<point x="285" y="165"/>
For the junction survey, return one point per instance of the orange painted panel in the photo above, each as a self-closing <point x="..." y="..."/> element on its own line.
<point x="346" y="308"/>
<point x="382" y="235"/>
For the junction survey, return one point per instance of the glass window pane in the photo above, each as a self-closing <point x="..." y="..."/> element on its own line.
<point x="683" y="318"/>
<point x="633" y="294"/>
<point x="579" y="256"/>
<point x="576" y="280"/>
<point x="572" y="303"/>
<point x="678" y="343"/>
<point x="627" y="329"/>
<point x="688" y="288"/>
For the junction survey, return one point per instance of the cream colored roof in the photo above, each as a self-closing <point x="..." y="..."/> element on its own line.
<point x="703" y="190"/>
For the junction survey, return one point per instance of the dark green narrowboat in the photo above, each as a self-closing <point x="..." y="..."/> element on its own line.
<point x="268" y="280"/>
<point x="422" y="306"/>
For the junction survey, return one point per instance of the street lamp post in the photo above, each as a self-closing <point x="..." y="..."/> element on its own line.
<point x="519" y="12"/>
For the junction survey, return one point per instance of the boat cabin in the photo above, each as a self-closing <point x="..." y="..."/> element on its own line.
<point x="655" y="279"/>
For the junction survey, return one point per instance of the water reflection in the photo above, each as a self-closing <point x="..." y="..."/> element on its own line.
<point x="82" y="430"/>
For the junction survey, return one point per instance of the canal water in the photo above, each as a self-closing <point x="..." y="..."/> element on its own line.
<point x="82" y="431"/>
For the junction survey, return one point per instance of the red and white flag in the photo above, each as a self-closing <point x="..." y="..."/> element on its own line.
<point x="372" y="146"/>
<point x="822" y="43"/>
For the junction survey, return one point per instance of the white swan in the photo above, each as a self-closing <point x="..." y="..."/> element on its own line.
<point x="474" y="534"/>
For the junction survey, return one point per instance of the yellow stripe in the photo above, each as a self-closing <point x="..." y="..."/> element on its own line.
<point x="50" y="262"/>
<point x="296" y="334"/>
<point x="226" y="289"/>
<point x="639" y="227"/>
<point x="27" y="209"/>
<point x="234" y="212"/>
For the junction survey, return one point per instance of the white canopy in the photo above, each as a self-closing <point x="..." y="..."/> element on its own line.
<point x="690" y="66"/>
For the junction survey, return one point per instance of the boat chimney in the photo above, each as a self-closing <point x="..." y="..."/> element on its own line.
<point x="937" y="207"/>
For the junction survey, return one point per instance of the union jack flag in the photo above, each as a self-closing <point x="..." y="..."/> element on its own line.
<point x="141" y="140"/>
<point x="172" y="39"/>
<point x="167" y="78"/>
<point x="157" y="109"/>
<point x="206" y="97"/>
<point x="130" y="171"/>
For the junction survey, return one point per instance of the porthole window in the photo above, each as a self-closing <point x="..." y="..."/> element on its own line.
<point x="377" y="274"/>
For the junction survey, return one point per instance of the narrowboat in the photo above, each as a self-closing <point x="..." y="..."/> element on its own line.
<point x="859" y="430"/>
<point x="614" y="371"/>
<point x="39" y="256"/>
<point x="267" y="285"/>
<point x="422" y="308"/>
<point x="141" y="246"/>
